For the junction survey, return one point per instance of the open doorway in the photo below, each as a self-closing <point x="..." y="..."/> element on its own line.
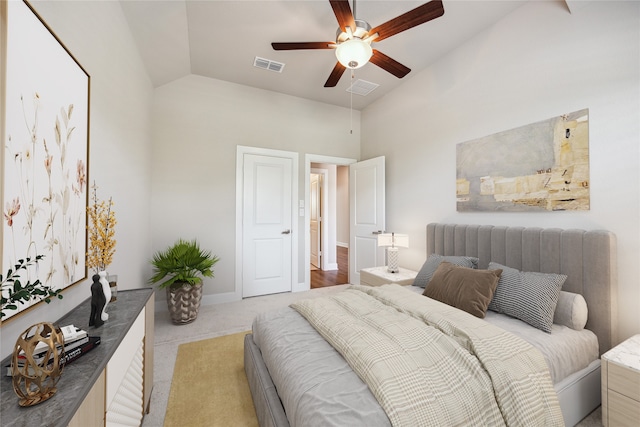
<point x="327" y="221"/>
<point x="328" y="225"/>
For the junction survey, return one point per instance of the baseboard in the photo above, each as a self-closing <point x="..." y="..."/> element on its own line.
<point x="219" y="298"/>
<point x="206" y="300"/>
<point x="331" y="266"/>
<point x="342" y="245"/>
<point x="300" y="287"/>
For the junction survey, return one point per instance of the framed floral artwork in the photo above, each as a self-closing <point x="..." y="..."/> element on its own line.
<point x="44" y="121"/>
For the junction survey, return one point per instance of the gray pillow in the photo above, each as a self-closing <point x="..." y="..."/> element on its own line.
<point x="433" y="261"/>
<point x="529" y="296"/>
<point x="571" y="311"/>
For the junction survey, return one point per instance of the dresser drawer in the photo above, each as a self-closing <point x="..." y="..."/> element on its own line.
<point x="622" y="411"/>
<point x="624" y="381"/>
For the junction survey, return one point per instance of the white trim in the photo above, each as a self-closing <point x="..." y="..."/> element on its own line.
<point x="331" y="267"/>
<point x="299" y="287"/>
<point x="308" y="159"/>
<point x="295" y="248"/>
<point x="222" y="298"/>
<point x="324" y="215"/>
<point x="342" y="245"/>
<point x="211" y="299"/>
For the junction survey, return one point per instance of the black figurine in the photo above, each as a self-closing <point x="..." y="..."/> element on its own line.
<point x="98" y="301"/>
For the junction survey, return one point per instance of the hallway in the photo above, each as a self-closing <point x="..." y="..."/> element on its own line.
<point x="322" y="279"/>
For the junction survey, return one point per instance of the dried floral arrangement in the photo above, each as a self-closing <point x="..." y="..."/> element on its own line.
<point x="101" y="230"/>
<point x="14" y="291"/>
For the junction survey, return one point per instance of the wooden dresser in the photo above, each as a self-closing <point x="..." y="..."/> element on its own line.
<point x="109" y="385"/>
<point x="621" y="384"/>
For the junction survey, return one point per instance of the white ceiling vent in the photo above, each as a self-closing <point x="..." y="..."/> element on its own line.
<point x="268" y="64"/>
<point x="362" y="87"/>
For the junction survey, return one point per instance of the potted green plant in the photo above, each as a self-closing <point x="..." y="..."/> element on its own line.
<point x="180" y="269"/>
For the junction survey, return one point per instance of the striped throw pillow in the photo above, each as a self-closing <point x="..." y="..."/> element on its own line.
<point x="528" y="296"/>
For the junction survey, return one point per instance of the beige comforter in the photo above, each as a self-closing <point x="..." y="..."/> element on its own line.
<point x="430" y="364"/>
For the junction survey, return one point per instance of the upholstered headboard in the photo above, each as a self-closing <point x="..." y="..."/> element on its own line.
<point x="588" y="258"/>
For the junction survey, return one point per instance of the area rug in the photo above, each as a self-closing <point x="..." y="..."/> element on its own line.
<point x="209" y="385"/>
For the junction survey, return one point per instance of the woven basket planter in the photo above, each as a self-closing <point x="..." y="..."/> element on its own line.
<point x="184" y="303"/>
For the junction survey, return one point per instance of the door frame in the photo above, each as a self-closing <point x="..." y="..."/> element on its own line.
<point x="240" y="152"/>
<point x="308" y="159"/>
<point x="324" y="190"/>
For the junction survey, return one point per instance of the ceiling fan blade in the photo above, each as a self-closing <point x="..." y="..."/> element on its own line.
<point x="343" y="13"/>
<point x="390" y="65"/>
<point x="417" y="16"/>
<point x="337" y="72"/>
<point x="303" y="45"/>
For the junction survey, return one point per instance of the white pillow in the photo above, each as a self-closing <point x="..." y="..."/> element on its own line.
<point x="571" y="311"/>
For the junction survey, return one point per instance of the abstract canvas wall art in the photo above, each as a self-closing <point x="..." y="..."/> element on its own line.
<point x="542" y="166"/>
<point x="45" y="140"/>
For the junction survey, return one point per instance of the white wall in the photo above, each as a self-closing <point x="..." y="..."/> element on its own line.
<point x="97" y="35"/>
<point x="537" y="63"/>
<point x="198" y="123"/>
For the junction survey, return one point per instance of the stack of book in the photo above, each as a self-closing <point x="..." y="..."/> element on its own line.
<point x="76" y="343"/>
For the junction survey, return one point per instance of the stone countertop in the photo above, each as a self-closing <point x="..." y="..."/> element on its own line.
<point x="78" y="377"/>
<point x="383" y="272"/>
<point x="626" y="353"/>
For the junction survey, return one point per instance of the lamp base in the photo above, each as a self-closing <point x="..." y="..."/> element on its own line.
<point x="392" y="260"/>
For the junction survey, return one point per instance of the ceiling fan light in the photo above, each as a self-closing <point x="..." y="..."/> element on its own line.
<point x="354" y="53"/>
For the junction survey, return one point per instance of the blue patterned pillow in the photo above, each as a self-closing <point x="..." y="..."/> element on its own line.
<point x="528" y="296"/>
<point x="433" y="261"/>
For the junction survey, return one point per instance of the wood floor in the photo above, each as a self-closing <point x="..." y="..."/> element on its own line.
<point x="321" y="279"/>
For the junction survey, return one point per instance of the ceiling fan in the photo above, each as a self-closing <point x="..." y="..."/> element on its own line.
<point x="354" y="38"/>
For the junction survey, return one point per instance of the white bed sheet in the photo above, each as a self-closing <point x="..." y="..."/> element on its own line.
<point x="565" y="350"/>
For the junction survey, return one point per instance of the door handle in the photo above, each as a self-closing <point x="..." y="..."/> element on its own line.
<point x="377" y="232"/>
<point x="286" y="232"/>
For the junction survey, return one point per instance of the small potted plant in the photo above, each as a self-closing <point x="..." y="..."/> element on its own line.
<point x="180" y="270"/>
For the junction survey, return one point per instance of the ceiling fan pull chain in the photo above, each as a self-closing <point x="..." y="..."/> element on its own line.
<point x="351" y="100"/>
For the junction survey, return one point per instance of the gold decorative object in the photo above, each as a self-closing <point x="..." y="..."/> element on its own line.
<point x="35" y="378"/>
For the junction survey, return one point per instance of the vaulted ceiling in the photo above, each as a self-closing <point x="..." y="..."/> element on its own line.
<point x="220" y="39"/>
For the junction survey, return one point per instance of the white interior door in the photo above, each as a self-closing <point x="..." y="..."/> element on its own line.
<point x="367" y="215"/>
<point x="315" y="215"/>
<point x="266" y="225"/>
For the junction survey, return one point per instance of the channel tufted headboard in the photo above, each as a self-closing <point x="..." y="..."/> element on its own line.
<point x="588" y="258"/>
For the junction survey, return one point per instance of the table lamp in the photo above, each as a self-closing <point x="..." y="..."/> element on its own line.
<point x="393" y="241"/>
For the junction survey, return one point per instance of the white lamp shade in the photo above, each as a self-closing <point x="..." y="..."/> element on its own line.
<point x="354" y="53"/>
<point x="393" y="239"/>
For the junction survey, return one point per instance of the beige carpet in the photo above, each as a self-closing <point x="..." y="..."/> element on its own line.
<point x="209" y="386"/>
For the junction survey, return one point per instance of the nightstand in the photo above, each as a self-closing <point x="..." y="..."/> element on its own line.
<point x="376" y="276"/>
<point x="621" y="384"/>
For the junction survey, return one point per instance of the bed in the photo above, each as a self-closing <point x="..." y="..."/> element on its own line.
<point x="290" y="365"/>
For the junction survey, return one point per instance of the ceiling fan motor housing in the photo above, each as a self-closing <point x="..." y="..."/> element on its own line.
<point x="361" y="31"/>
